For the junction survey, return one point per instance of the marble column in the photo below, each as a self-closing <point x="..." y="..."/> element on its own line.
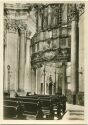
<point x="33" y="80"/>
<point x="64" y="80"/>
<point x="27" y="81"/>
<point x="36" y="82"/>
<point x="57" y="82"/>
<point x="5" y="85"/>
<point x="11" y="75"/>
<point x="74" y="58"/>
<point x="44" y="79"/>
<point x="22" y="60"/>
<point x="39" y="80"/>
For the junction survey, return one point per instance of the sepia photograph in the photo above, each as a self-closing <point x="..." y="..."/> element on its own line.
<point x="43" y="61"/>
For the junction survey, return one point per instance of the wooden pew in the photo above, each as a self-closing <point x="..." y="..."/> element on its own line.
<point x="30" y="96"/>
<point x="10" y="103"/>
<point x="24" y="99"/>
<point x="61" y="106"/>
<point x="28" y="99"/>
<point x="31" y="104"/>
<point x="45" y="103"/>
<point x="10" y="112"/>
<point x="47" y="108"/>
<point x="30" y="108"/>
<point x="45" y="100"/>
<point x="13" y="109"/>
<point x="63" y="101"/>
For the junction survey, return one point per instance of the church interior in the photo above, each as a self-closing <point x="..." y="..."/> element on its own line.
<point x="43" y="59"/>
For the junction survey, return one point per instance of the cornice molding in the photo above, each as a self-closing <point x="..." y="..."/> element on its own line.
<point x="17" y="6"/>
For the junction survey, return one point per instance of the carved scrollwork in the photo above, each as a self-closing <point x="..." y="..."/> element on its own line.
<point x="61" y="55"/>
<point x="81" y="8"/>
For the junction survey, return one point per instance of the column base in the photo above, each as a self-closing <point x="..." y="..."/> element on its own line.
<point x="12" y="93"/>
<point x="71" y="98"/>
<point x="21" y="92"/>
<point x="77" y="99"/>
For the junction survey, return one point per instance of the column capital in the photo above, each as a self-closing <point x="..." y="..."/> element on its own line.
<point x="13" y="25"/>
<point x="74" y="11"/>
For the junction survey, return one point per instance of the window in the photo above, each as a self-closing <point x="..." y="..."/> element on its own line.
<point x="64" y="31"/>
<point x="47" y="34"/>
<point x="54" y="33"/>
<point x="63" y="42"/>
<point x="50" y="34"/>
<point x="55" y="43"/>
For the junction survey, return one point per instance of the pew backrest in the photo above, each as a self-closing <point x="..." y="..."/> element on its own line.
<point x="10" y="103"/>
<point x="30" y="107"/>
<point x="28" y="99"/>
<point x="30" y="96"/>
<point x="10" y="111"/>
<point x="23" y="99"/>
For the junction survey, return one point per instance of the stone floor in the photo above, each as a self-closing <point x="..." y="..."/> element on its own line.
<point x="74" y="112"/>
